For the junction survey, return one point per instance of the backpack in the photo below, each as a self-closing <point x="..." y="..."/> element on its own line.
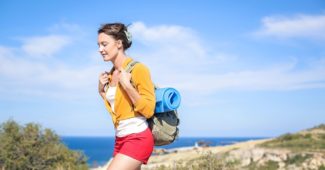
<point x="163" y="125"/>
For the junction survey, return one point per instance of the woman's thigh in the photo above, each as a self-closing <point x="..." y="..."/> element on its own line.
<point x="124" y="162"/>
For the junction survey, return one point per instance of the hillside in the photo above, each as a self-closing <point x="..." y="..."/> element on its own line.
<point x="302" y="150"/>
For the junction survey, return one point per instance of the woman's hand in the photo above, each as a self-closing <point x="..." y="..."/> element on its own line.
<point x="124" y="79"/>
<point x="103" y="80"/>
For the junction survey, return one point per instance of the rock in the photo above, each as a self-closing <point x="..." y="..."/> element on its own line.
<point x="282" y="165"/>
<point x="159" y="151"/>
<point x="257" y="154"/>
<point x="245" y="162"/>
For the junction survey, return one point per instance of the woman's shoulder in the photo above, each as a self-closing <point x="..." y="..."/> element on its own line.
<point x="140" y="67"/>
<point x="140" y="72"/>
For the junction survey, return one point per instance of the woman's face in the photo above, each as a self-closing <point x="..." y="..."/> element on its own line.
<point x="108" y="46"/>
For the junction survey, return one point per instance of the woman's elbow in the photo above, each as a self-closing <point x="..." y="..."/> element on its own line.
<point x="150" y="110"/>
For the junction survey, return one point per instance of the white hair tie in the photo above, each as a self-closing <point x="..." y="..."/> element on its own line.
<point x="128" y="36"/>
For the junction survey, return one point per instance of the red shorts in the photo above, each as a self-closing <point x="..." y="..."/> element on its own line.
<point x="137" y="145"/>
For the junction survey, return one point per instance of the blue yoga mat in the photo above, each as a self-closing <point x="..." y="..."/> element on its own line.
<point x="167" y="99"/>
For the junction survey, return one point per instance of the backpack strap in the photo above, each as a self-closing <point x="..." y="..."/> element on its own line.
<point x="130" y="66"/>
<point x="129" y="69"/>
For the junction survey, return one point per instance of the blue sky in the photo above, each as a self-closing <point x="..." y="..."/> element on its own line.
<point x="243" y="69"/>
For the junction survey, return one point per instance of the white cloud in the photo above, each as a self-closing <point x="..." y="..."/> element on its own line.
<point x="196" y="70"/>
<point x="161" y="33"/>
<point x="44" y="46"/>
<point x="21" y="76"/>
<point x="170" y="50"/>
<point x="273" y="78"/>
<point x="38" y="69"/>
<point x="305" y="26"/>
<point x="166" y="38"/>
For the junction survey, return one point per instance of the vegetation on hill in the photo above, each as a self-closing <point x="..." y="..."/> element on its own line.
<point x="31" y="148"/>
<point x="310" y="140"/>
<point x="207" y="161"/>
<point x="319" y="127"/>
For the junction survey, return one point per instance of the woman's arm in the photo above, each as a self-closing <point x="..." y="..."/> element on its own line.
<point x="142" y="95"/>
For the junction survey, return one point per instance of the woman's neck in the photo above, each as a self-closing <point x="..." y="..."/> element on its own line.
<point x="118" y="62"/>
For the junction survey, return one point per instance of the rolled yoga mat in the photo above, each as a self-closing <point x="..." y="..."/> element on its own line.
<point x="167" y="99"/>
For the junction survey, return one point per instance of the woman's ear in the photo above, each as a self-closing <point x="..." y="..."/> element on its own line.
<point x="119" y="43"/>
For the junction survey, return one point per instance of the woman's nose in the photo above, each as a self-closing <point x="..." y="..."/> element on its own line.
<point x="100" y="49"/>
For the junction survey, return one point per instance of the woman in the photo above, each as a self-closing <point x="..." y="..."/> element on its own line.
<point x="129" y="104"/>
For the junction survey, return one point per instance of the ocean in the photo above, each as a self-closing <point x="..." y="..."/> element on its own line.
<point x="99" y="149"/>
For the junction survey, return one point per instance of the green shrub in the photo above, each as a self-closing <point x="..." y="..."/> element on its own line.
<point x="298" y="159"/>
<point x="270" y="165"/>
<point x="322" y="167"/>
<point x="31" y="148"/>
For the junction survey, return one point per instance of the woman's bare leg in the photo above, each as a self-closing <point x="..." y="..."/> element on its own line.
<point x="124" y="162"/>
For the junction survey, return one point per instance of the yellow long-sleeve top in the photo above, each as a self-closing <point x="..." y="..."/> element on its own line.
<point x="123" y="107"/>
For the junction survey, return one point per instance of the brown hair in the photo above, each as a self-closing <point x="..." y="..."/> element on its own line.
<point x="118" y="31"/>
